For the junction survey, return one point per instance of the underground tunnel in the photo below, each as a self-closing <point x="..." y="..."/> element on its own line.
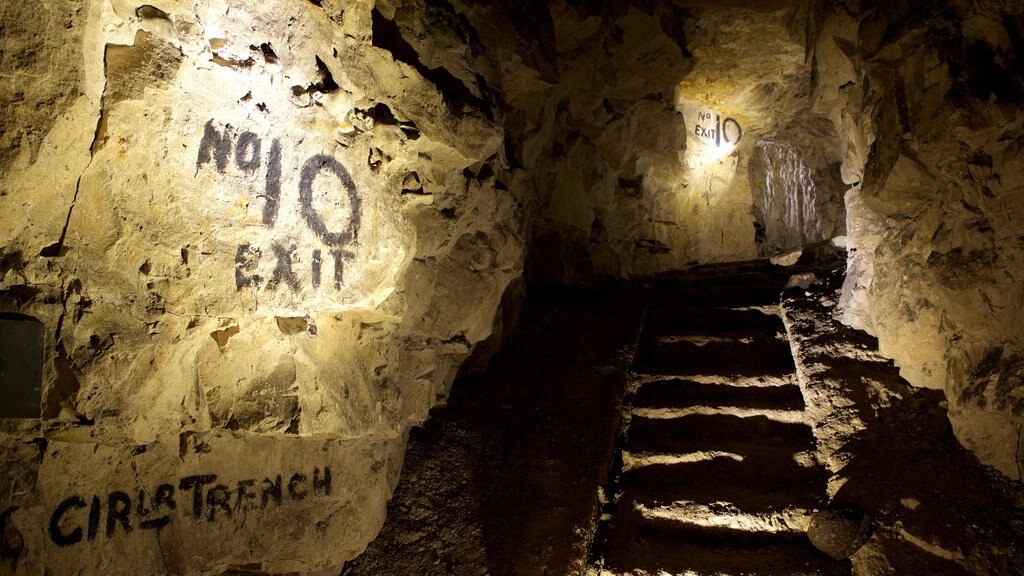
<point x="512" y="287"/>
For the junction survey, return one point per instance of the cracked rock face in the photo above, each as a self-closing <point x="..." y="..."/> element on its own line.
<point x="928" y="102"/>
<point x="244" y="230"/>
<point x="249" y="246"/>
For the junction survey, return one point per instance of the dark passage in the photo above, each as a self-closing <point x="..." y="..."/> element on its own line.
<point x="504" y="479"/>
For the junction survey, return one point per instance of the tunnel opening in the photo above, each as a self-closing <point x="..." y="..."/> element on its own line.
<point x="465" y="287"/>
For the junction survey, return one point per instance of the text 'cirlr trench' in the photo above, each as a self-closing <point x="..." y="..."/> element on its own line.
<point x="199" y="497"/>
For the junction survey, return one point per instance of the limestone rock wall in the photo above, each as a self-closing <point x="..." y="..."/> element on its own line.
<point x="252" y="244"/>
<point x="927" y="98"/>
<point x="248" y="245"/>
<point x="260" y="238"/>
<point x="606" y="121"/>
<point x="659" y="111"/>
<point x="795" y="200"/>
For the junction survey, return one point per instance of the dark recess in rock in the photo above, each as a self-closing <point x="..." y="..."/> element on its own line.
<point x="20" y="294"/>
<point x="536" y="35"/>
<point x="632" y="187"/>
<point x="387" y="35"/>
<point x="269" y="56"/>
<point x="985" y="72"/>
<point x="65" y="385"/>
<point x="598" y="233"/>
<point x="410" y="130"/>
<point x="12" y="261"/>
<point x="512" y="154"/>
<point x="326" y="85"/>
<point x="148" y="12"/>
<point x="382" y="114"/>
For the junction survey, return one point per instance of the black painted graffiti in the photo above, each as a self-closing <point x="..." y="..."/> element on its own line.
<point x="75" y="519"/>
<point x="713" y="128"/>
<point x="310" y="171"/>
<point x="216" y="147"/>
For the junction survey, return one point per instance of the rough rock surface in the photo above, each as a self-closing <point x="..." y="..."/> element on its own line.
<point x="927" y="100"/>
<point x="658" y="112"/>
<point x="291" y="223"/>
<point x="506" y="478"/>
<point x="286" y="226"/>
<point x="484" y="487"/>
<point x="892" y="452"/>
<point x="244" y="228"/>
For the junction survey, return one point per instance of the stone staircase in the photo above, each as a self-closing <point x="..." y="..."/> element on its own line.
<point x="717" y="471"/>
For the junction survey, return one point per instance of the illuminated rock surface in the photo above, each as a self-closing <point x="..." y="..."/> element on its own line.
<point x="930" y="123"/>
<point x="244" y="241"/>
<point x="261" y="247"/>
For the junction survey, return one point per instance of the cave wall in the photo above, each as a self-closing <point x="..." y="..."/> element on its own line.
<point x="250" y="246"/>
<point x="658" y="111"/>
<point x="797" y="190"/>
<point x="927" y="100"/>
<point x="257" y="241"/>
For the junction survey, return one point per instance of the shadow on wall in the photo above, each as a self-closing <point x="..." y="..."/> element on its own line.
<point x="559" y="255"/>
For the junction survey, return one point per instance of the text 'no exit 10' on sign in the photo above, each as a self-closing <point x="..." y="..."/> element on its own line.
<point x="713" y="129"/>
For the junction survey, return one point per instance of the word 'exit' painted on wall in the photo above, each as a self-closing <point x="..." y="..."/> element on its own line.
<point x="251" y="269"/>
<point x="711" y="128"/>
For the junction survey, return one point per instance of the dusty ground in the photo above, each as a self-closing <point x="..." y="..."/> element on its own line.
<point x="505" y="480"/>
<point x="936" y="509"/>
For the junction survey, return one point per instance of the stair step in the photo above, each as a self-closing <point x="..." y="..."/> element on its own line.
<point x="711" y="320"/>
<point x="753" y="486"/>
<point x="719" y="475"/>
<point x="637" y="545"/>
<point x="751" y="272"/>
<point x="760" y="294"/>
<point x="716" y="515"/>
<point x="757" y="356"/>
<point x="751" y="381"/>
<point x="699" y="432"/>
<point x="671" y="413"/>
<point x="631" y="460"/>
<point x="679" y="393"/>
<point x="760" y="455"/>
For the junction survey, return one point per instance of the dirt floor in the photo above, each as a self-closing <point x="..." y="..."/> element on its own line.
<point x="509" y="477"/>
<point x="505" y="478"/>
